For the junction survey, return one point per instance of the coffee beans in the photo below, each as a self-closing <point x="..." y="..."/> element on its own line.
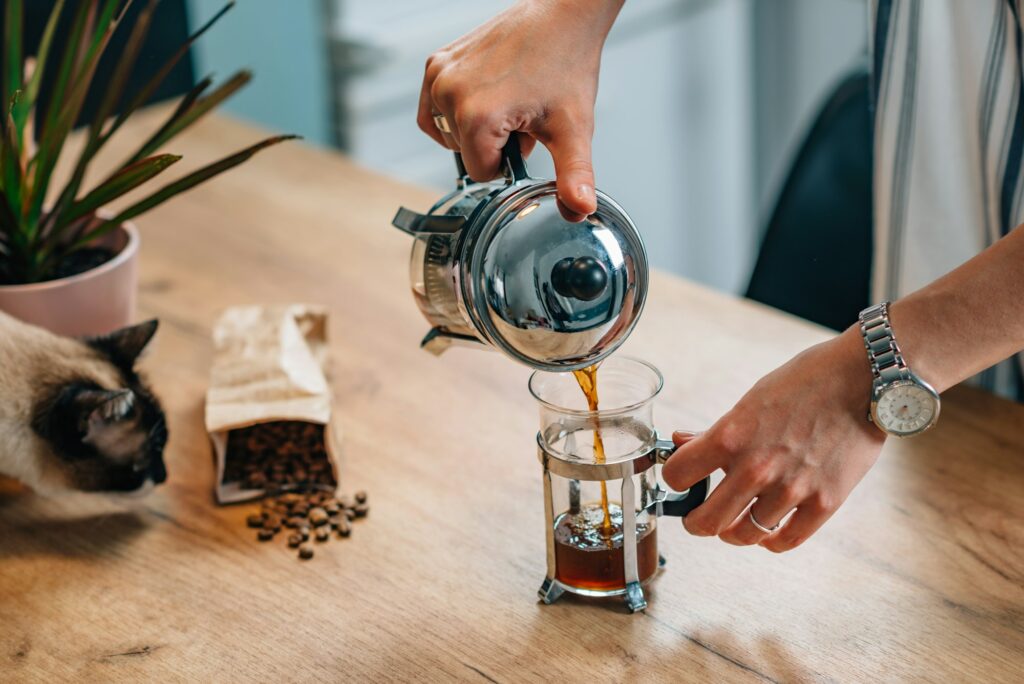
<point x="271" y="455"/>
<point x="308" y="513"/>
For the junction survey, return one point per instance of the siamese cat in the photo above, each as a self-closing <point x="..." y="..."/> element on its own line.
<point x="74" y="415"/>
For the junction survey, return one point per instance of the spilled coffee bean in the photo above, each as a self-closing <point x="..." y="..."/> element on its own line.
<point x="318" y="517"/>
<point x="308" y="513"/>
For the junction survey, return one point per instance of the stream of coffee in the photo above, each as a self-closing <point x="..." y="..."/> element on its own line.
<point x="587" y="379"/>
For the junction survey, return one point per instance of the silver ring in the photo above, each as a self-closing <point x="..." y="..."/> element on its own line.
<point x="442" y="123"/>
<point x="766" y="530"/>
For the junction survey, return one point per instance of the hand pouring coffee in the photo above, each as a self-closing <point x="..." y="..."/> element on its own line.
<point x="496" y="264"/>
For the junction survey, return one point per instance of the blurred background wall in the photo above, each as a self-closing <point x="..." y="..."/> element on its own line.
<point x="702" y="103"/>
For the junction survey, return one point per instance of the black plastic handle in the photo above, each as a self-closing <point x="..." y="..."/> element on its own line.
<point x="679" y="504"/>
<point x="460" y="167"/>
<point x="513" y="157"/>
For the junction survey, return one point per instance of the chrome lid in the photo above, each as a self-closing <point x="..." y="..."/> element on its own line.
<point x="552" y="294"/>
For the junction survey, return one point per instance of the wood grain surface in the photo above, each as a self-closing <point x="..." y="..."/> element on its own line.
<point x="920" y="576"/>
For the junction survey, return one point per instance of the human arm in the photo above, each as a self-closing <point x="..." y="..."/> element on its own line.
<point x="800" y="439"/>
<point x="533" y="68"/>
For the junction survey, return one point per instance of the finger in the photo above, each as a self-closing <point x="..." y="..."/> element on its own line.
<point x="568" y="139"/>
<point x="449" y="140"/>
<point x="810" y="515"/>
<point x="769" y="509"/>
<point x="681" y="437"/>
<point x="526" y="144"/>
<point x="725" y="504"/>
<point x="567" y="213"/>
<point x="425" y="111"/>
<point x="443" y="102"/>
<point x="448" y="137"/>
<point x="690" y="463"/>
<point x="481" y="139"/>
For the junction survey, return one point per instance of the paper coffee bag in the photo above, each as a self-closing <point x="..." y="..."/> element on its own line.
<point x="268" y="368"/>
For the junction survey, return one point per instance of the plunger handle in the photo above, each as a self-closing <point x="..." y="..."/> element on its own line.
<point x="677" y="504"/>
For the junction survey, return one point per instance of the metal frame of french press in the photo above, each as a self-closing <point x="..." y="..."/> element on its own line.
<point x="655" y="500"/>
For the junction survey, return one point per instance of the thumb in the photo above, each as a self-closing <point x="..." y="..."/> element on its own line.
<point x="569" y="144"/>
<point x="692" y="461"/>
<point x="681" y="437"/>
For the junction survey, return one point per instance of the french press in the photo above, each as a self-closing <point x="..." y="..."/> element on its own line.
<point x="496" y="263"/>
<point x="601" y="512"/>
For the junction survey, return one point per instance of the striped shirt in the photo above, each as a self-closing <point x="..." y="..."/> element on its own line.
<point x="949" y="142"/>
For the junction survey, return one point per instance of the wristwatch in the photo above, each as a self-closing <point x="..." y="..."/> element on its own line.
<point x="902" y="404"/>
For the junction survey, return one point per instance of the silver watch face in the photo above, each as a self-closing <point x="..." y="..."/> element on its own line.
<point x="906" y="408"/>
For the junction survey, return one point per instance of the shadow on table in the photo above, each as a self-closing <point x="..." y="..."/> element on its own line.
<point x="764" y="657"/>
<point x="90" y="535"/>
<point x="705" y="653"/>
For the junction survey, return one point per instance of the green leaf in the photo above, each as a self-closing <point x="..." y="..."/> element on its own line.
<point x="54" y="138"/>
<point x="12" y="51"/>
<point x="187" y="113"/>
<point x="147" y="90"/>
<point x="125" y="63"/>
<point x="32" y="89"/>
<point x="124" y="181"/>
<point x="114" y="90"/>
<point x="10" y="156"/>
<point x="105" y="25"/>
<point x="49" y="141"/>
<point x="186" y="183"/>
<point x="186" y="102"/>
<point x="66" y="70"/>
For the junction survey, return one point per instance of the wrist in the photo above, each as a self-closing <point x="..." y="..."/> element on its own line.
<point x="908" y="329"/>
<point x="852" y="370"/>
<point x="604" y="12"/>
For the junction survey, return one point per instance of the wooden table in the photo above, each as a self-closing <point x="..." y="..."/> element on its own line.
<point x="919" y="576"/>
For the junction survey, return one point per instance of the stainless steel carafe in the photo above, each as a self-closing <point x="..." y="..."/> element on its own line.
<point x="496" y="263"/>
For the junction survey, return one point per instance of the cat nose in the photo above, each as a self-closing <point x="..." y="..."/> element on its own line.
<point x="158" y="473"/>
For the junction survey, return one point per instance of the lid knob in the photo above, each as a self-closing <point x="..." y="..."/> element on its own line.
<point x="583" y="278"/>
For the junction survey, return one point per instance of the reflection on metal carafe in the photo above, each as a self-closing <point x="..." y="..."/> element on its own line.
<point x="496" y="263"/>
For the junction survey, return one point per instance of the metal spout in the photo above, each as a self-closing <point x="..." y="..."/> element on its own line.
<point x="439" y="340"/>
<point x="410" y="222"/>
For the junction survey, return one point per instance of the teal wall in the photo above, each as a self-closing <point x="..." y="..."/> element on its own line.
<point x="284" y="44"/>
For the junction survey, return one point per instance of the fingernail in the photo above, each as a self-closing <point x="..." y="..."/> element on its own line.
<point x="584" y="191"/>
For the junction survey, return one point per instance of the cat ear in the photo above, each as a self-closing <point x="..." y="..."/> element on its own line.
<point x="124" y="346"/>
<point x="101" y="408"/>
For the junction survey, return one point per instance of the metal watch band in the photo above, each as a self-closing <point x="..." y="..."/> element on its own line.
<point x="887" y="362"/>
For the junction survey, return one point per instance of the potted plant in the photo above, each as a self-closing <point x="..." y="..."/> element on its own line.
<point x="65" y="263"/>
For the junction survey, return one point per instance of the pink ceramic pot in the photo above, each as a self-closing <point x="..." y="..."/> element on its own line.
<point x="90" y="303"/>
